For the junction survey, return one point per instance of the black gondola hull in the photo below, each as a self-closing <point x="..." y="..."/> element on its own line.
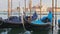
<point x="35" y="27"/>
<point x="10" y="24"/>
<point x="28" y="26"/>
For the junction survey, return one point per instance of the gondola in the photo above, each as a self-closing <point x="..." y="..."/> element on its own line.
<point x="11" y="22"/>
<point x="14" y="21"/>
<point x="40" y="24"/>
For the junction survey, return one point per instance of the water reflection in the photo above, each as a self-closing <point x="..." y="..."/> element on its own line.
<point x="5" y="30"/>
<point x="50" y="31"/>
<point x="27" y="32"/>
<point x="21" y="31"/>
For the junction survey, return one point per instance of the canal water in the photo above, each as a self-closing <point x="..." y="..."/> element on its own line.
<point x="21" y="30"/>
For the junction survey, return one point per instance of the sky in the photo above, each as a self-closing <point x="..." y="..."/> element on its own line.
<point x="4" y="3"/>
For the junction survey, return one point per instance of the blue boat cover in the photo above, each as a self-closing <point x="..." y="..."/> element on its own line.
<point x="50" y="16"/>
<point x="39" y="21"/>
<point x="43" y="18"/>
<point x="59" y="21"/>
<point x="13" y="19"/>
<point x="34" y="16"/>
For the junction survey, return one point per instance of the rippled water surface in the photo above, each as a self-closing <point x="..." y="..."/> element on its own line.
<point x="21" y="31"/>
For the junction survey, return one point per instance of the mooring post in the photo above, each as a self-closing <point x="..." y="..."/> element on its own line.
<point x="40" y="8"/>
<point x="53" y="22"/>
<point x="55" y="28"/>
<point x="56" y="14"/>
<point x="9" y="8"/>
<point x="56" y="22"/>
<point x="30" y="6"/>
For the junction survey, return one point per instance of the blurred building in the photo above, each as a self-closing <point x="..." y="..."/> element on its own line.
<point x="58" y="9"/>
<point x="37" y="8"/>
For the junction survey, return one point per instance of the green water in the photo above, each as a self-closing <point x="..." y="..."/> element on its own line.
<point x="20" y="31"/>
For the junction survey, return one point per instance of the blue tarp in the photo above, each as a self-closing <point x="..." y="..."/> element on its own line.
<point x="50" y="16"/>
<point x="34" y="16"/>
<point x="59" y="21"/>
<point x="13" y="19"/>
<point x="39" y="21"/>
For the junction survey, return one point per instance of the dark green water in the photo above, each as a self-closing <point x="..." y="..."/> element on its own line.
<point x="20" y="31"/>
<point x="59" y="32"/>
